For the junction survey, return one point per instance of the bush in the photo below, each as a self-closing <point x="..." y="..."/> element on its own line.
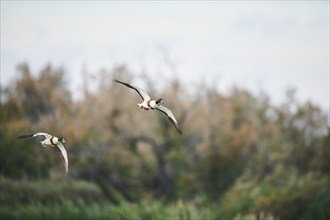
<point x="19" y="193"/>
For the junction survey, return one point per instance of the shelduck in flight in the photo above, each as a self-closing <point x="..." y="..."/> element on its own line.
<point x="149" y="103"/>
<point x="51" y="141"/>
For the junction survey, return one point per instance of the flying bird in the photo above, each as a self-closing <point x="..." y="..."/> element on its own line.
<point x="150" y="104"/>
<point x="51" y="141"/>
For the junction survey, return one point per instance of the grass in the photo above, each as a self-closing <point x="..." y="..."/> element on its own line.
<point x="46" y="199"/>
<point x="80" y="210"/>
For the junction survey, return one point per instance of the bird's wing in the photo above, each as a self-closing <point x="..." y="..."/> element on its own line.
<point x="34" y="135"/>
<point x="170" y="116"/>
<point x="65" y="156"/>
<point x="144" y="95"/>
<point x="42" y="134"/>
<point x="25" y="136"/>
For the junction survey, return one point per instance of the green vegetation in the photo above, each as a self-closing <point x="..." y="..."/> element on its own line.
<point x="240" y="156"/>
<point x="69" y="210"/>
<point x="82" y="200"/>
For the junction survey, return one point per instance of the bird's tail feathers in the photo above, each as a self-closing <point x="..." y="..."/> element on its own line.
<point x="25" y="136"/>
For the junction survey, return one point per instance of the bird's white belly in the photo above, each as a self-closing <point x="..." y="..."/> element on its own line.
<point x="46" y="144"/>
<point x="145" y="104"/>
<point x="49" y="142"/>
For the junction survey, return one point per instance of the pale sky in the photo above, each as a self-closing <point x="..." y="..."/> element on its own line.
<point x="257" y="45"/>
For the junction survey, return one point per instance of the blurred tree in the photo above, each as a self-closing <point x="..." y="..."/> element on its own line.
<point x="32" y="97"/>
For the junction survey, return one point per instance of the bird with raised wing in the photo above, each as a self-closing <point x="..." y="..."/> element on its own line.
<point x="51" y="141"/>
<point x="150" y="104"/>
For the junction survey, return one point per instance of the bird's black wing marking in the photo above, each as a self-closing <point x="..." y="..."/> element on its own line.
<point x="25" y="136"/>
<point x="64" y="156"/>
<point x="171" y="120"/>
<point x="132" y="87"/>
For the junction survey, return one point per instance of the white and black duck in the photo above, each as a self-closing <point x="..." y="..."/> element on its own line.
<point x="150" y="104"/>
<point x="51" y="141"/>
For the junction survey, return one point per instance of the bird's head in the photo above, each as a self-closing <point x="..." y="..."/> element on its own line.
<point x="62" y="140"/>
<point x="159" y="101"/>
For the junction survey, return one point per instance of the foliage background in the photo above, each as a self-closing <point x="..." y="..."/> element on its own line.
<point x="239" y="155"/>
